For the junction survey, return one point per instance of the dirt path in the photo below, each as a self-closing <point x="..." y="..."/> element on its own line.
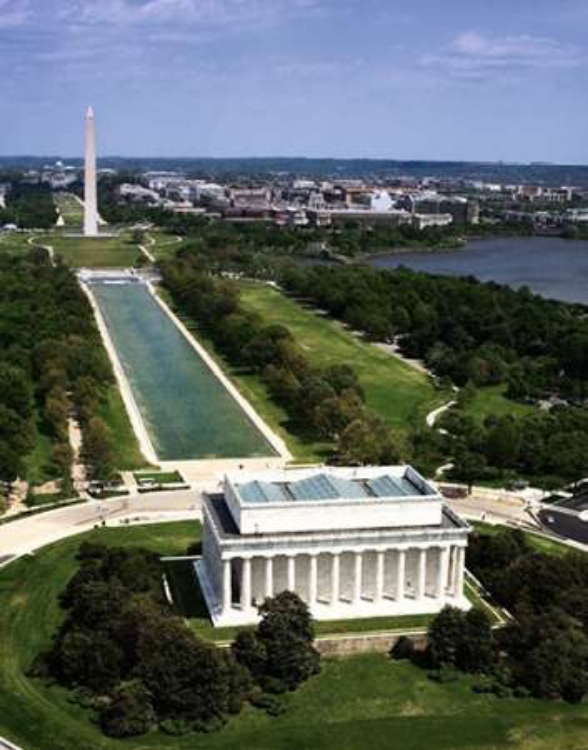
<point x="78" y="470"/>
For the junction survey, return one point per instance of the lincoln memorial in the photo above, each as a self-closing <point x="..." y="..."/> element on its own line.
<point x="351" y="542"/>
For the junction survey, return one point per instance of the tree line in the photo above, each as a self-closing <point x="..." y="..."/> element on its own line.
<point x="325" y="404"/>
<point x="473" y="335"/>
<point x="543" y="650"/>
<point x="52" y="365"/>
<point x="29" y="206"/>
<point x="123" y="653"/>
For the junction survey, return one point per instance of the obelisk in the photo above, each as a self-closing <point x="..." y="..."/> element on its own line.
<point x="90" y="188"/>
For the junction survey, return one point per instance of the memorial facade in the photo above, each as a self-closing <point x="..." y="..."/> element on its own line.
<point x="352" y="543"/>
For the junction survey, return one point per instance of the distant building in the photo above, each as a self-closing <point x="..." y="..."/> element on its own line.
<point x="352" y="543"/>
<point x="425" y="221"/>
<point x="461" y="210"/>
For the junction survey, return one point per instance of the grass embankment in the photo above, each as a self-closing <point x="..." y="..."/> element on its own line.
<point x="70" y="208"/>
<point x="363" y="702"/>
<point x="492" y="401"/>
<point x="394" y="390"/>
<point x="127" y="454"/>
<point x="537" y="542"/>
<point x="89" y="252"/>
<point x="163" y="246"/>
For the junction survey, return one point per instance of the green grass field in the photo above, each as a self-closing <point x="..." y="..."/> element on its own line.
<point x="110" y="252"/>
<point x="128" y="456"/>
<point x="70" y="208"/>
<point x="491" y="401"/>
<point x="16" y="243"/>
<point x="537" y="542"/>
<point x="401" y="395"/>
<point x="360" y="703"/>
<point x="165" y="245"/>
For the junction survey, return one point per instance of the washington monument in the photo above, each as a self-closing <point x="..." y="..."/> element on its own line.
<point x="90" y="190"/>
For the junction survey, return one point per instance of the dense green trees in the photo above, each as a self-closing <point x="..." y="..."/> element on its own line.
<point x="327" y="404"/>
<point x="477" y="335"/>
<point x="52" y="363"/>
<point x="126" y="655"/>
<point x="29" y="206"/>
<point x="546" y="644"/>
<point x="279" y="654"/>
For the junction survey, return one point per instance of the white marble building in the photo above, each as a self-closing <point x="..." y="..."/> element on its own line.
<point x="352" y="543"/>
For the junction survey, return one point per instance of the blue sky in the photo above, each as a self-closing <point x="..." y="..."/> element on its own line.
<point x="459" y="79"/>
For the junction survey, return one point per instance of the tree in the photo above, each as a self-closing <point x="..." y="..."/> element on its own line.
<point x="130" y="711"/>
<point x="444" y="637"/>
<point x="279" y="654"/>
<point x="286" y="631"/>
<point x="476" y="652"/>
<point x="97" y="448"/>
<point x="87" y="658"/>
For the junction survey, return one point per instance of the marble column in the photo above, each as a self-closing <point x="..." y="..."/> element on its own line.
<point x="335" y="578"/>
<point x="379" y="591"/>
<point x="227" y="586"/>
<point x="442" y="572"/>
<point x="291" y="573"/>
<point x="421" y="575"/>
<point x="400" y="575"/>
<point x="460" y="571"/>
<point x="246" y="584"/>
<point x="269" y="577"/>
<point x="313" y="580"/>
<point x="357" y="577"/>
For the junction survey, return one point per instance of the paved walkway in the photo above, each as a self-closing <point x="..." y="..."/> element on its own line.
<point x="29" y="534"/>
<point x="434" y="415"/>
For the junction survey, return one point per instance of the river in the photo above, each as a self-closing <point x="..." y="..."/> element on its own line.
<point x="186" y="410"/>
<point x="551" y="266"/>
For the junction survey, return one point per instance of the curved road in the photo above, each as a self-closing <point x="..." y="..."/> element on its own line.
<point x="27" y="535"/>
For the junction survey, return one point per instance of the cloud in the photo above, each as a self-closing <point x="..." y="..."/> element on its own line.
<point x="473" y="56"/>
<point x="13" y="13"/>
<point x="129" y="12"/>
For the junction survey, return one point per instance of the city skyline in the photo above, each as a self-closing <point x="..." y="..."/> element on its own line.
<point x="314" y="78"/>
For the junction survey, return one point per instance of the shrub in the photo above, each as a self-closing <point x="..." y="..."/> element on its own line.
<point x="403" y="649"/>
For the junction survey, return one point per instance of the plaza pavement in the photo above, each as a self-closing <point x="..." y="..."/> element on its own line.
<point x="29" y="534"/>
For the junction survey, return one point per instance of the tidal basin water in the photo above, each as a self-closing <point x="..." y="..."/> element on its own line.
<point x="187" y="411"/>
<point x="551" y="266"/>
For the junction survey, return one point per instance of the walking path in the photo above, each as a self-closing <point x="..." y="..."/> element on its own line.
<point x="48" y="248"/>
<point x="434" y="415"/>
<point x="78" y="470"/>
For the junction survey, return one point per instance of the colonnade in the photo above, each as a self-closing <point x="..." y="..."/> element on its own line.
<point x="437" y="571"/>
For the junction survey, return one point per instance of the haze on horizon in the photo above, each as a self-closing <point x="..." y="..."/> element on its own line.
<point x="456" y="80"/>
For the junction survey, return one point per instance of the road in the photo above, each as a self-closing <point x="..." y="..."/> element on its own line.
<point x="27" y="535"/>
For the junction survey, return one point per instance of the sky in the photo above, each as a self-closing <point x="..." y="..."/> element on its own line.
<point x="484" y="80"/>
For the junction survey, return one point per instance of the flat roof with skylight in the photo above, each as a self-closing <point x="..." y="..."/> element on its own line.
<point x="303" y="499"/>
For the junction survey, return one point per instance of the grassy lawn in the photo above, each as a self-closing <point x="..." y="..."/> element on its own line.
<point x="401" y="395"/>
<point x="536" y="542"/>
<point x="70" y="208"/>
<point x="162" y="477"/>
<point x="110" y="252"/>
<point x="16" y="243"/>
<point x="166" y="245"/>
<point x="128" y="456"/>
<point x="491" y="401"/>
<point x="39" y="464"/>
<point x="361" y="703"/>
